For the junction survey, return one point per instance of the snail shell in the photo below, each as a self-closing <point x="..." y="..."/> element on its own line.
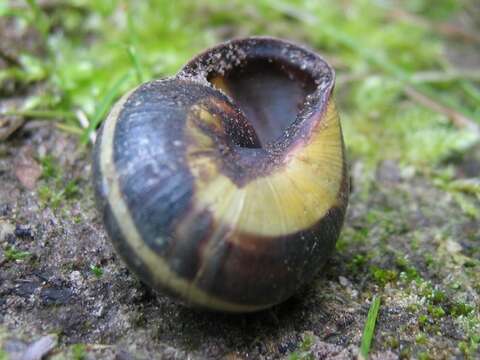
<point x="226" y="185"/>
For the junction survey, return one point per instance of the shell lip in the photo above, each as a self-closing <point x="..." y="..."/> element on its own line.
<point x="210" y="60"/>
<point x="230" y="56"/>
<point x="197" y="68"/>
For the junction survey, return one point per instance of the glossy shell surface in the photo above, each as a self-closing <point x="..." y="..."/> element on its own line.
<point x="226" y="185"/>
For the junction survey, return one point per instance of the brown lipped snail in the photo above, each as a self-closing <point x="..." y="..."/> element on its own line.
<point x="226" y="185"/>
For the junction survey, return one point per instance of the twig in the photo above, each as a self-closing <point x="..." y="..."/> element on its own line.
<point x="82" y="118"/>
<point x="457" y="118"/>
<point x="69" y="129"/>
<point x="470" y="90"/>
<point x="445" y="76"/>
<point x="443" y="28"/>
<point x="343" y="79"/>
<point x="43" y="114"/>
<point x="420" y="77"/>
<point x="84" y="123"/>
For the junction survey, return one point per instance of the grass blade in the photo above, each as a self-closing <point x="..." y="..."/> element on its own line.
<point x="41" y="114"/>
<point x="133" y="55"/>
<point x="69" y="129"/>
<point x="40" y="19"/>
<point x="369" y="329"/>
<point x="132" y="47"/>
<point x="472" y="91"/>
<point x="104" y="105"/>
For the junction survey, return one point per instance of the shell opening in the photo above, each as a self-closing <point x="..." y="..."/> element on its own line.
<point x="270" y="92"/>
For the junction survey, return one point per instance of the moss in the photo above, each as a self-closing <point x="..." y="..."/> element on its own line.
<point x="407" y="271"/>
<point x="71" y="189"/>
<point x="461" y="309"/>
<point x="406" y="353"/>
<point x="413" y="307"/>
<point x="467" y="205"/>
<point x="463" y="347"/>
<point x="49" y="197"/>
<point x="436" y="311"/>
<point x="50" y="168"/>
<point x="357" y="264"/>
<point x="438" y="296"/>
<point x="4" y="355"/>
<point x="306" y="343"/>
<point x="423" y="321"/>
<point x="415" y="243"/>
<point x="303" y="352"/>
<point x="429" y="259"/>
<point x="77" y="219"/>
<point x="419" y="133"/>
<point x="13" y="254"/>
<point x="421" y="339"/>
<point x="383" y="276"/>
<point x="392" y="342"/>
<point x="469" y="348"/>
<point x="352" y="236"/>
<point x="96" y="271"/>
<point x="79" y="352"/>
<point x="455" y="285"/>
<point x="425" y="356"/>
<point x="56" y="188"/>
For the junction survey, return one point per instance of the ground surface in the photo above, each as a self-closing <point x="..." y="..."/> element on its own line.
<point x="411" y="237"/>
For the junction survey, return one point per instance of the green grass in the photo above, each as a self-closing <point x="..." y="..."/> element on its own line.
<point x="78" y="351"/>
<point x="56" y="187"/>
<point x="303" y="351"/>
<point x="13" y="254"/>
<point x="96" y="51"/>
<point x="97" y="271"/>
<point x="369" y="328"/>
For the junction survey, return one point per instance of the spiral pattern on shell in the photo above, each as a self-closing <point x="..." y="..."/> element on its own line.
<point x="226" y="185"/>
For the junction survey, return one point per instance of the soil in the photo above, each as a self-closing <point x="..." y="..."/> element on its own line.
<point x="55" y="289"/>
